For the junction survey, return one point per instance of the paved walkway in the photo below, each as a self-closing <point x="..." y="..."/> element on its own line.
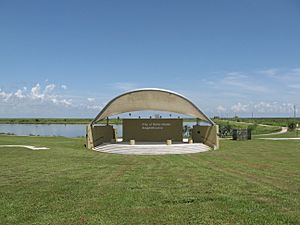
<point x="283" y="130"/>
<point x="152" y="149"/>
<point x="25" y="146"/>
<point x="280" y="139"/>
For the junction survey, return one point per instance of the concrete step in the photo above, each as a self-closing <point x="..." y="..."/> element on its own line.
<point x="152" y="149"/>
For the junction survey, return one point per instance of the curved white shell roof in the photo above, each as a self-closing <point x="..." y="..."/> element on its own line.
<point x="151" y="99"/>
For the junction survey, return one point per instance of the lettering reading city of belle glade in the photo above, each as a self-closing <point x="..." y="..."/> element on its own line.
<point x="161" y="124"/>
<point x="154" y="126"/>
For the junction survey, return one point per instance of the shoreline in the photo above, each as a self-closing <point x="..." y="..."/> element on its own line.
<point x="63" y="121"/>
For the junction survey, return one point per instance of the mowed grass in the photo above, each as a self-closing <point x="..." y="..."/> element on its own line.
<point x="289" y="134"/>
<point x="256" y="129"/>
<point x="250" y="182"/>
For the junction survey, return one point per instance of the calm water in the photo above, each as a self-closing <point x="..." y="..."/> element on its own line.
<point x="68" y="130"/>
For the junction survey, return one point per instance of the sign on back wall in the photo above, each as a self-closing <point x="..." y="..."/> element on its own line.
<point x="152" y="130"/>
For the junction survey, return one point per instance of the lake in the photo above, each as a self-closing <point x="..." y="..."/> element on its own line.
<point x="65" y="130"/>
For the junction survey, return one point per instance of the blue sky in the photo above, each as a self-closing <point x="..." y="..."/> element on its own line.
<point x="68" y="58"/>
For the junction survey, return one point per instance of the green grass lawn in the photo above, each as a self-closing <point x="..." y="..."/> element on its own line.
<point x="64" y="120"/>
<point x="256" y="129"/>
<point x="45" y="120"/>
<point x="281" y="121"/>
<point x="289" y="134"/>
<point x="247" y="182"/>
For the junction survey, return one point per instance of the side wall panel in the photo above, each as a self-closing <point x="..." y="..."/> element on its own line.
<point x="208" y="135"/>
<point x="97" y="135"/>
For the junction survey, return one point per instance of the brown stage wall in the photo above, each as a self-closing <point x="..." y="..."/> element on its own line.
<point x="152" y="130"/>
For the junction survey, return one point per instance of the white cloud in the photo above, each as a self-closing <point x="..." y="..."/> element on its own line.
<point x="243" y="82"/>
<point x="221" y="108"/>
<point x="5" y="96"/>
<point x="46" y="101"/>
<point x="37" y="95"/>
<point x="46" y="94"/>
<point x="263" y="107"/>
<point x="66" y="102"/>
<point x="63" y="102"/>
<point x="273" y="107"/>
<point x="285" y="77"/>
<point x="19" y="94"/>
<point x="269" y="85"/>
<point x="94" y="107"/>
<point x="239" y="107"/>
<point x="296" y="71"/>
<point x="124" y="86"/>
<point x="36" y="92"/>
<point x="269" y="72"/>
<point x="54" y="100"/>
<point x="49" y="88"/>
<point x="235" y="74"/>
<point x="269" y="92"/>
<point x="295" y="86"/>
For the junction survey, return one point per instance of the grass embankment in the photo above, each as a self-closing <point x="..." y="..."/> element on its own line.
<point x="256" y="128"/>
<point x="251" y="182"/>
<point x="282" y="122"/>
<point x="289" y="134"/>
<point x="62" y="120"/>
<point x="45" y="120"/>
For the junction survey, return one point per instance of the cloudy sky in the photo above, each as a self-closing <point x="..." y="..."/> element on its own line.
<point x="69" y="58"/>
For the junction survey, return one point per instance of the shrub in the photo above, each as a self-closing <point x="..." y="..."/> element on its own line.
<point x="252" y="127"/>
<point x="292" y="126"/>
<point x="225" y="130"/>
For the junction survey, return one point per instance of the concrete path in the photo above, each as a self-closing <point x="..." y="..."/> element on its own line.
<point x="283" y="130"/>
<point x="152" y="149"/>
<point x="280" y="139"/>
<point x="25" y="146"/>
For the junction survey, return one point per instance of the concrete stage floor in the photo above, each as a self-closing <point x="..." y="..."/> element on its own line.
<point x="152" y="148"/>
